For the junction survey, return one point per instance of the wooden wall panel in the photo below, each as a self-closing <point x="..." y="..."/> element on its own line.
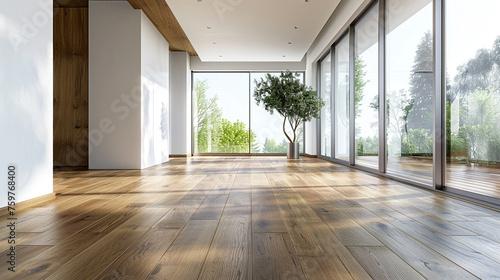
<point x="70" y="86"/>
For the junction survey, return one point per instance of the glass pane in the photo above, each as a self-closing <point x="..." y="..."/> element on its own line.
<point x="220" y="112"/>
<point x="326" y="117"/>
<point x="473" y="96"/>
<point x="267" y="129"/>
<point x="366" y="89"/>
<point x="342" y="99"/>
<point x="410" y="82"/>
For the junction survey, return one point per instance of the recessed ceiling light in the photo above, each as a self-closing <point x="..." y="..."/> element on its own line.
<point x="289" y="42"/>
<point x="220" y="56"/>
<point x="214" y="43"/>
<point x="296" y="27"/>
<point x="306" y="1"/>
<point x="201" y="0"/>
<point x="209" y="27"/>
<point x="284" y="55"/>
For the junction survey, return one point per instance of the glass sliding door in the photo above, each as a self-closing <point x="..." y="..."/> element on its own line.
<point x="409" y="90"/>
<point x="473" y="96"/>
<point x="326" y="112"/>
<point x="341" y="99"/>
<point x="221" y="113"/>
<point x="366" y="89"/>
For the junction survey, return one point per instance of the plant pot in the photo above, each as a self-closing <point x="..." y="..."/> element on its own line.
<point x="292" y="151"/>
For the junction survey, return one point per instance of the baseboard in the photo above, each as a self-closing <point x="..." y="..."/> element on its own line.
<point x="310" y="156"/>
<point x="181" y="155"/>
<point x="30" y="202"/>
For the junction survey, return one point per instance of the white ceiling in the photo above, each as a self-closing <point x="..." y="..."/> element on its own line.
<point x="252" y="30"/>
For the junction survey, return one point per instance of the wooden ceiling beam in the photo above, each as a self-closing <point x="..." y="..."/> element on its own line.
<point x="158" y="12"/>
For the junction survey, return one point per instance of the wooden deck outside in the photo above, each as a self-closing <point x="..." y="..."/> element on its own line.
<point x="477" y="179"/>
<point x="249" y="218"/>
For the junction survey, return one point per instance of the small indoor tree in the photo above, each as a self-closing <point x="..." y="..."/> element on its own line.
<point x="294" y="101"/>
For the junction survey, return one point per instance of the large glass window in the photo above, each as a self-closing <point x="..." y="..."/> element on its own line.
<point x="341" y="94"/>
<point x="326" y="113"/>
<point x="226" y="118"/>
<point x="366" y="89"/>
<point x="409" y="90"/>
<point x="221" y="116"/>
<point x="473" y="96"/>
<point x="267" y="129"/>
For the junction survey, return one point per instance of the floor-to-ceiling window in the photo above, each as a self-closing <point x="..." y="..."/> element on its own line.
<point x="410" y="90"/>
<point x="341" y="99"/>
<point x="473" y="96"/>
<point x="221" y="113"/>
<point x="366" y="89"/>
<point x="226" y="118"/>
<point x="267" y="129"/>
<point x="326" y="112"/>
<point x="461" y="98"/>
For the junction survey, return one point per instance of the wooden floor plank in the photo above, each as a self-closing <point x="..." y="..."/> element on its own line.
<point x="382" y="263"/>
<point x="482" y="245"/>
<point x="211" y="208"/>
<point x="324" y="268"/>
<point x="229" y="256"/>
<point x="346" y="229"/>
<point x="22" y="254"/>
<point x="106" y="250"/>
<point x="426" y="261"/>
<point x="274" y="257"/>
<point x="185" y="257"/>
<point x="180" y="214"/>
<point x="480" y="228"/>
<point x="471" y="260"/>
<point x="266" y="215"/>
<point x="141" y="257"/>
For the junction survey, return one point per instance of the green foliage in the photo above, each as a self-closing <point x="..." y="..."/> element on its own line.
<point x="481" y="108"/>
<point x="477" y="84"/>
<point x="417" y="142"/>
<point x="480" y="72"/>
<point x="480" y="116"/>
<point x="254" y="146"/>
<point x="213" y="133"/>
<point x="422" y="85"/>
<point x="207" y="119"/>
<point x="494" y="146"/>
<point x="233" y="137"/>
<point x="367" y="146"/>
<point x="359" y="84"/>
<point x="290" y="98"/>
<point x="448" y="129"/>
<point x="270" y="146"/>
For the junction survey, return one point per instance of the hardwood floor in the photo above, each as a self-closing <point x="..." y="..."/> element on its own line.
<point x="249" y="218"/>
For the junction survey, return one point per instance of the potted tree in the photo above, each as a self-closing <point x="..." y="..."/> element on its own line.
<point x="294" y="101"/>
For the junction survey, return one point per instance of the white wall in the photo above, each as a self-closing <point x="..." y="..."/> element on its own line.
<point x="343" y="15"/>
<point x="155" y="95"/>
<point x="26" y="82"/>
<point x="128" y="87"/>
<point x="180" y="106"/>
